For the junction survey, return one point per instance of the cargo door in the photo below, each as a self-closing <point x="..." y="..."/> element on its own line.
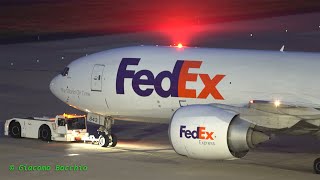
<point x="96" y="77"/>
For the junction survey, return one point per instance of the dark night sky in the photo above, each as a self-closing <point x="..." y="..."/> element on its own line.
<point x="103" y="17"/>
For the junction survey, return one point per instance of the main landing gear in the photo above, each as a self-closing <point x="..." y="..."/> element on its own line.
<point x="106" y="138"/>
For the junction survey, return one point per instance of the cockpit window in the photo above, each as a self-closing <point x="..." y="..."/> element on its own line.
<point x="65" y="71"/>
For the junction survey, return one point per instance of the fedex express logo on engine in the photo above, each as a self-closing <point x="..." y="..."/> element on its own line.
<point x="203" y="136"/>
<point x="178" y="80"/>
<point x="200" y="133"/>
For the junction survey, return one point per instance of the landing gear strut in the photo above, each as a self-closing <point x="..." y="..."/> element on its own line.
<point x="316" y="166"/>
<point x="106" y="138"/>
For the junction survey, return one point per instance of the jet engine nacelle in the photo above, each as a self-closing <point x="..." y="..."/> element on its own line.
<point x="207" y="132"/>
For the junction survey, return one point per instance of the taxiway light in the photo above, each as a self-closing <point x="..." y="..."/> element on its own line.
<point x="277" y="103"/>
<point x="72" y="154"/>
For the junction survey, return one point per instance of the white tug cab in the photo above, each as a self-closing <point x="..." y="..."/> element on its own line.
<point x="64" y="127"/>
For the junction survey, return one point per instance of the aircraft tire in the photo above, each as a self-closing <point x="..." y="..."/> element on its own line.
<point x="316" y="166"/>
<point x="113" y="140"/>
<point x="103" y="141"/>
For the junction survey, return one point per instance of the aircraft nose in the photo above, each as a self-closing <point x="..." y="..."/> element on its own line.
<point x="53" y="86"/>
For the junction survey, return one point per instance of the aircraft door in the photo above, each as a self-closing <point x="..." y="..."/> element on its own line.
<point x="96" y="77"/>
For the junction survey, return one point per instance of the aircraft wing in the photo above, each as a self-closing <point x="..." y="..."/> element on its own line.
<point x="285" y="117"/>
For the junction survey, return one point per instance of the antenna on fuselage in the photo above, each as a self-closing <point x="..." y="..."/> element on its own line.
<point x="282" y="48"/>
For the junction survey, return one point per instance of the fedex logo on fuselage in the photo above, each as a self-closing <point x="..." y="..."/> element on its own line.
<point x="200" y="133"/>
<point x="178" y="80"/>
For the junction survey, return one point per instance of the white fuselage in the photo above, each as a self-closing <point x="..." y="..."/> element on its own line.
<point x="97" y="84"/>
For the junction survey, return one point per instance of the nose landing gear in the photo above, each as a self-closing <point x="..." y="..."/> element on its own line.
<point x="106" y="138"/>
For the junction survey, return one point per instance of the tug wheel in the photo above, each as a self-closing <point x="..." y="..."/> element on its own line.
<point x="316" y="166"/>
<point x="15" y="130"/>
<point x="45" y="133"/>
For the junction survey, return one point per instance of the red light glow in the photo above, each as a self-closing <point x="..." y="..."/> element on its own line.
<point x="180" y="45"/>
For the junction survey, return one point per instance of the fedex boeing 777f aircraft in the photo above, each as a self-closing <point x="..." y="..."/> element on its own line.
<point x="219" y="103"/>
